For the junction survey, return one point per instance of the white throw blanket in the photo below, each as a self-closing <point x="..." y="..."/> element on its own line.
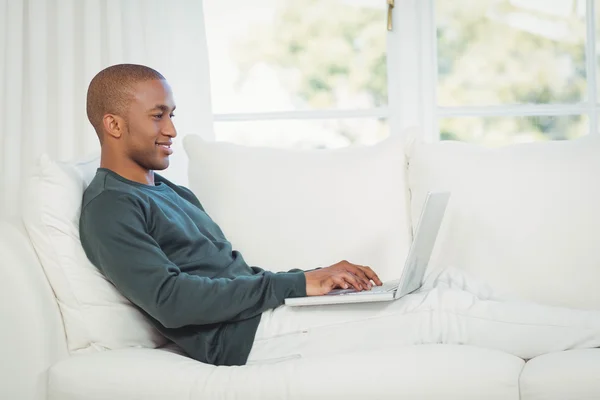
<point x="450" y="308"/>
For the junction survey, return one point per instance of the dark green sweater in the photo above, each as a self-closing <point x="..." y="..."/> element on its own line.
<point x="161" y="250"/>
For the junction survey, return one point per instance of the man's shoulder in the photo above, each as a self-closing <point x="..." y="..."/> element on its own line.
<point x="105" y="195"/>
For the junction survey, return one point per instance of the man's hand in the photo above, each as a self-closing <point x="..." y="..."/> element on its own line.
<point x="342" y="275"/>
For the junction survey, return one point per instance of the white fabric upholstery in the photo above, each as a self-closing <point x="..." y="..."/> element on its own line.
<point x="95" y="314"/>
<point x="523" y="218"/>
<point x="568" y="375"/>
<point x="287" y="209"/>
<point x="32" y="338"/>
<point x="416" y="372"/>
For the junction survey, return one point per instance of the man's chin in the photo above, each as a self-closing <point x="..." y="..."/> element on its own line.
<point x="161" y="165"/>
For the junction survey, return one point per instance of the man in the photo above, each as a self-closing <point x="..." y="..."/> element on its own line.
<point x="153" y="240"/>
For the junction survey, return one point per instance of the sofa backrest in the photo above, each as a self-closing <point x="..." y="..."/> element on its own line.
<point x="284" y="208"/>
<point x="32" y="334"/>
<point x="522" y="218"/>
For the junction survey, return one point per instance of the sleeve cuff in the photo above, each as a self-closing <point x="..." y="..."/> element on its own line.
<point x="290" y="284"/>
<point x="305" y="270"/>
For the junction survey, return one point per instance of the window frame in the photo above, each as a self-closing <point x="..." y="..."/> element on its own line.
<point x="430" y="113"/>
<point x="412" y="81"/>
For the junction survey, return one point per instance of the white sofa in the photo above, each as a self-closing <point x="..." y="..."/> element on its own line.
<point x="524" y="218"/>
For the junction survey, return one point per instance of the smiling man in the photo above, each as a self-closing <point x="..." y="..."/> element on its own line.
<point x="154" y="241"/>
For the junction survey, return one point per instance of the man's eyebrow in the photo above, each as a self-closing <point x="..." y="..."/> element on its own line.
<point x="162" y="108"/>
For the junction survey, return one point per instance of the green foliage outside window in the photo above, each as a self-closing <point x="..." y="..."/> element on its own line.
<point x="489" y="53"/>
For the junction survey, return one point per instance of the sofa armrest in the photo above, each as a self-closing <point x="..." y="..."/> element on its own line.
<point x="32" y="334"/>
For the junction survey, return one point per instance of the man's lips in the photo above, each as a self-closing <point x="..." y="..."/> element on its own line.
<point x="166" y="147"/>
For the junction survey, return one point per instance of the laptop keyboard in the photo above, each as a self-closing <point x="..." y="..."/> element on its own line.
<point x="386" y="287"/>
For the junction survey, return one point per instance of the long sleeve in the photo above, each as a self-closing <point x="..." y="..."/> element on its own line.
<point x="119" y="243"/>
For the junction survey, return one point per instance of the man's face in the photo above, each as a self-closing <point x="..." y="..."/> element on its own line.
<point x="150" y="128"/>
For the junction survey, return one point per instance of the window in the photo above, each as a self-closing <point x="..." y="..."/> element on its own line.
<point x="303" y="73"/>
<point x="327" y="73"/>
<point x="517" y="66"/>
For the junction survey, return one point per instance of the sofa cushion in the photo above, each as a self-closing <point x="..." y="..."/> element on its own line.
<point x="412" y="373"/>
<point x="566" y="375"/>
<point x="525" y="218"/>
<point x="287" y="209"/>
<point x="95" y="315"/>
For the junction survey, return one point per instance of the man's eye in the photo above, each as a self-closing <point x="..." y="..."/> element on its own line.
<point x="157" y="116"/>
<point x="172" y="115"/>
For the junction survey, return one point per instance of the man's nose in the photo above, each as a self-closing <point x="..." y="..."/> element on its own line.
<point x="169" y="129"/>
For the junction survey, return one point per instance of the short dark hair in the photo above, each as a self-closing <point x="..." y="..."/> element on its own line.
<point x="110" y="91"/>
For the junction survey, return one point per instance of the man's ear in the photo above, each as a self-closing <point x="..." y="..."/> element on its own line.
<point x="114" y="125"/>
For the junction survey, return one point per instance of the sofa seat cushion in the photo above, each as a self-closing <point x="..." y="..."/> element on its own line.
<point x="414" y="372"/>
<point x="573" y="374"/>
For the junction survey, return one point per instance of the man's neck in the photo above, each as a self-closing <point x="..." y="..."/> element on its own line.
<point x="128" y="169"/>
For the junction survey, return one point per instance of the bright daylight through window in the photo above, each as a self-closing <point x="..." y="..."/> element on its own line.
<point x="315" y="73"/>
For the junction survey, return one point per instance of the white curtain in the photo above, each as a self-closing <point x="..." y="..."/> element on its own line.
<point x="51" y="49"/>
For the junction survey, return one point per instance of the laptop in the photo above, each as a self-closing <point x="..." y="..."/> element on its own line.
<point x="415" y="265"/>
